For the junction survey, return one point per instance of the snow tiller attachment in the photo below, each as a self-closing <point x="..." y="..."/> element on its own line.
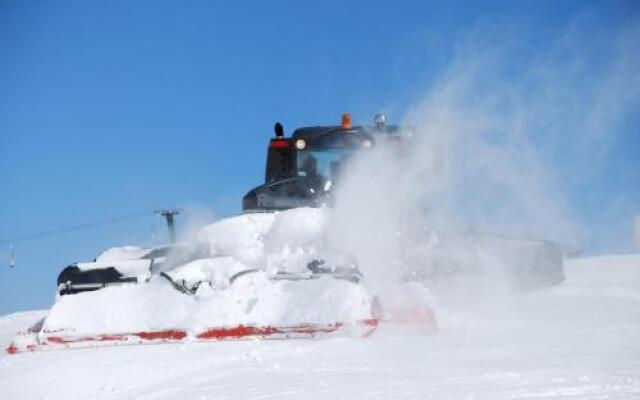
<point x="251" y="284"/>
<point x="255" y="305"/>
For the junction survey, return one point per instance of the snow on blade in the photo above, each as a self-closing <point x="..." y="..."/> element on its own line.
<point x="242" y="292"/>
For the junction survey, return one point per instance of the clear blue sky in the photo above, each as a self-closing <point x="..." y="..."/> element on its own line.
<point x="115" y="107"/>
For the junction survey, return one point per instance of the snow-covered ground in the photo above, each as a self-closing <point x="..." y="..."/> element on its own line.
<point x="578" y="340"/>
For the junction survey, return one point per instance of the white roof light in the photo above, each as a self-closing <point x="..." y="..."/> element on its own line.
<point x="301" y="144"/>
<point x="380" y="120"/>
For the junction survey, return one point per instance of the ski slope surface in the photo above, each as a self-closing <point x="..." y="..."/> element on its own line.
<point x="579" y="340"/>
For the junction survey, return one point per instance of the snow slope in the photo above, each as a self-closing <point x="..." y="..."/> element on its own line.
<point x="579" y="340"/>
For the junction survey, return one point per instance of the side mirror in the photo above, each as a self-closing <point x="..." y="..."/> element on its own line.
<point x="279" y="130"/>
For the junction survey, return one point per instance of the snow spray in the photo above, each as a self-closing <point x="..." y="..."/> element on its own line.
<point x="500" y="138"/>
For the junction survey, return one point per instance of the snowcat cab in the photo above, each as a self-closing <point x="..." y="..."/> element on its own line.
<point x="302" y="169"/>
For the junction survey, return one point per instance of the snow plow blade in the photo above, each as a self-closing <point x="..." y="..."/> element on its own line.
<point x="31" y="341"/>
<point x="233" y="303"/>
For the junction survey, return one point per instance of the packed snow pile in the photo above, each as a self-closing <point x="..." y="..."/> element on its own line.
<point x="253" y="300"/>
<point x="256" y="274"/>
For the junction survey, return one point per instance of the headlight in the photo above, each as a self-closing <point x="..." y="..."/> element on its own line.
<point x="301" y="144"/>
<point x="380" y="120"/>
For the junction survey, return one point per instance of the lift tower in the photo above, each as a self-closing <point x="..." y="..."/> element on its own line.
<point x="168" y="215"/>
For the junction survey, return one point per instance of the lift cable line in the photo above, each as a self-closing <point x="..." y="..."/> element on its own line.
<point x="94" y="224"/>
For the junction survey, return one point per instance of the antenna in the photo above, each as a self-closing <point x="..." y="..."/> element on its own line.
<point x="279" y="129"/>
<point x="168" y="215"/>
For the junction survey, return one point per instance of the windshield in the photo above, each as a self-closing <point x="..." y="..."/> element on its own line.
<point x="322" y="162"/>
